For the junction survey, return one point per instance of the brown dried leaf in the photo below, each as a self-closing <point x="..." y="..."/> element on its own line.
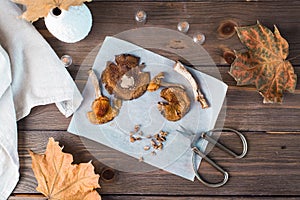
<point x="264" y="64"/>
<point x="59" y="179"/>
<point x="40" y="8"/>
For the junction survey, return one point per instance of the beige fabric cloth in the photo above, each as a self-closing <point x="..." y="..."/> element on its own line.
<point x="9" y="161"/>
<point x="30" y="75"/>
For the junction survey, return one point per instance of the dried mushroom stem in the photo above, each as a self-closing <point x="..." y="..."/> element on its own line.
<point x="102" y="112"/>
<point x="157" y="82"/>
<point x="178" y="67"/>
<point x="95" y="83"/>
<point x="202" y="100"/>
<point x="166" y="84"/>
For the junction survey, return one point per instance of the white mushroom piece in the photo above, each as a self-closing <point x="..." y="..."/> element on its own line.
<point x="102" y="111"/>
<point x="125" y="79"/>
<point x="177" y="105"/>
<point x="178" y="67"/>
<point x="158" y="82"/>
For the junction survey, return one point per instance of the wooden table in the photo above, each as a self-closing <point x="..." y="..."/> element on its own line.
<point x="271" y="169"/>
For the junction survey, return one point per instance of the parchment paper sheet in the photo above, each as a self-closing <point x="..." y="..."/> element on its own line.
<point x="176" y="154"/>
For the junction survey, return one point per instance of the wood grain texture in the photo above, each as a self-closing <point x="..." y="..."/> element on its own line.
<point x="239" y="100"/>
<point x="141" y="197"/>
<point x="271" y="161"/>
<point x="111" y="18"/>
<point x="270" y="169"/>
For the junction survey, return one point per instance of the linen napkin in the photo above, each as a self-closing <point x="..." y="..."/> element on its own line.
<point x="36" y="77"/>
<point x="9" y="161"/>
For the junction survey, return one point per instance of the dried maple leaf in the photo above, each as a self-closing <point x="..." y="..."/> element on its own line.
<point x="40" y="8"/>
<point x="264" y="64"/>
<point x="59" y="179"/>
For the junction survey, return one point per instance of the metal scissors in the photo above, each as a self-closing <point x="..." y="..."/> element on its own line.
<point x="195" y="137"/>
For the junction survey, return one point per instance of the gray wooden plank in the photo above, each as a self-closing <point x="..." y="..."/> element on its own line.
<point x="111" y="18"/>
<point x="271" y="167"/>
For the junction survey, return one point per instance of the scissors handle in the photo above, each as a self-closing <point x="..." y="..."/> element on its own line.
<point x="196" y="151"/>
<point x="224" y="148"/>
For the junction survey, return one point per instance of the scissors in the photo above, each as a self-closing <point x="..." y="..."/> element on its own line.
<point x="195" y="137"/>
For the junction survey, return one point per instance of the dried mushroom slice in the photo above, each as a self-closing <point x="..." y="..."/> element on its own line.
<point x="178" y="67"/>
<point x="177" y="105"/>
<point x="158" y="82"/>
<point x="127" y="60"/>
<point x="133" y="84"/>
<point x="102" y="111"/>
<point x="125" y="79"/>
<point x="110" y="76"/>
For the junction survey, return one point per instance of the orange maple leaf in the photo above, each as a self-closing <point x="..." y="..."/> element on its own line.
<point x="59" y="179"/>
<point x="36" y="9"/>
<point x="264" y="64"/>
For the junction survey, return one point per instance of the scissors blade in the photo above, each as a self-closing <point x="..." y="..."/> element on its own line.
<point x="194" y="137"/>
<point x="185" y="134"/>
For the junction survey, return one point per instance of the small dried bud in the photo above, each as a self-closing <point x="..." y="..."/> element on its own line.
<point x="163" y="138"/>
<point x="141" y="133"/>
<point x="156" y="136"/>
<point x="136" y="128"/>
<point x="163" y="133"/>
<point x="160" y="146"/>
<point x="132" y="139"/>
<point x="138" y="138"/>
<point x="146" y="148"/>
<point x="149" y="136"/>
<point x="153" y="143"/>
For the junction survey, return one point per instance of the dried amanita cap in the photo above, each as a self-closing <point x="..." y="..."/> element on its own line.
<point x="125" y="79"/>
<point x="177" y="105"/>
<point x="96" y="119"/>
<point x="132" y="84"/>
<point x="101" y="106"/>
<point x="102" y="111"/>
